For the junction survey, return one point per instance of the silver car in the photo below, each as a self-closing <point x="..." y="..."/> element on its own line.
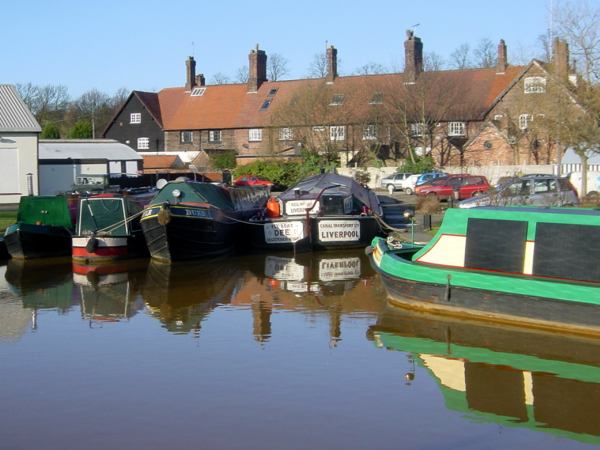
<point x="394" y="180"/>
<point x="536" y="190"/>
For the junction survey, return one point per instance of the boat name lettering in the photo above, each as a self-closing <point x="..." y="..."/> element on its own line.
<point x="339" y="230"/>
<point x="281" y="232"/>
<point x="299" y="207"/>
<point x="195" y="213"/>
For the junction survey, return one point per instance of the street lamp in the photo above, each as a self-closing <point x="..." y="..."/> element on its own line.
<point x="409" y="214"/>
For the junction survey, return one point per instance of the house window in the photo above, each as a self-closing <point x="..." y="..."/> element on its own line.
<point x="417" y="129"/>
<point x="255" y="135"/>
<point x="265" y="104"/>
<point x="286" y="134"/>
<point x="272" y="92"/>
<point x="187" y="137"/>
<point x="337" y="133"/>
<point x="498" y="117"/>
<point x="524" y="120"/>
<point x="318" y="129"/>
<point x="214" y="136"/>
<point x="198" y="92"/>
<point x="337" y="100"/>
<point x="456" y="129"/>
<point x="143" y="143"/>
<point x="135" y="118"/>
<point x="370" y="132"/>
<point x="535" y="85"/>
<point x="377" y="98"/>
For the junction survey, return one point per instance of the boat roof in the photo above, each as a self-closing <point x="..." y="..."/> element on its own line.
<point x="531" y="209"/>
<point x="334" y="184"/>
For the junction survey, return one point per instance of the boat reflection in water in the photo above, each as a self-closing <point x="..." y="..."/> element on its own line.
<point x="108" y="293"/>
<point x="182" y="294"/>
<point x="510" y="376"/>
<point x="331" y="283"/>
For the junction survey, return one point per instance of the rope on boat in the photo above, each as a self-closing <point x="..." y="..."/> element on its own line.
<point x="116" y="225"/>
<point x="387" y="226"/>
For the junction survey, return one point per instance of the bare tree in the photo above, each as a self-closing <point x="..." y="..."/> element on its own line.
<point x="277" y="66"/>
<point x="485" y="53"/>
<point x="242" y="75"/>
<point x="544" y="42"/>
<point x="461" y="57"/>
<point x="579" y="23"/>
<point x="318" y="66"/>
<point x="220" y="78"/>
<point x="433" y="61"/>
<point x="29" y="94"/>
<point x="370" y="69"/>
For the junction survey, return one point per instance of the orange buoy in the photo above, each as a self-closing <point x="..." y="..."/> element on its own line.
<point x="273" y="207"/>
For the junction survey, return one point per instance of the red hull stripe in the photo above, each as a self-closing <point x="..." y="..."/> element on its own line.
<point x="100" y="252"/>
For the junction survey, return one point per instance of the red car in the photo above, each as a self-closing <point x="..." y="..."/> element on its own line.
<point x="251" y="180"/>
<point x="443" y="188"/>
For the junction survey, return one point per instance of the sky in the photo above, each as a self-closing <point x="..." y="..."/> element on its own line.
<point x="143" y="45"/>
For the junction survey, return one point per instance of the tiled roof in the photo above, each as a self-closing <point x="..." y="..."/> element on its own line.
<point x="162" y="162"/>
<point x="463" y="95"/>
<point x="14" y="113"/>
<point x="150" y="100"/>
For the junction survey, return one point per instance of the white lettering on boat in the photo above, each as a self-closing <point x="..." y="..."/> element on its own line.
<point x="339" y="230"/>
<point x="339" y="269"/>
<point x="283" y="232"/>
<point x="299" y="207"/>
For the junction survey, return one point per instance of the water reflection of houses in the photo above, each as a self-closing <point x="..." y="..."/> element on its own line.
<point x="181" y="295"/>
<point x="510" y="376"/>
<point x="109" y="293"/>
<point x="316" y="284"/>
<point x="14" y="319"/>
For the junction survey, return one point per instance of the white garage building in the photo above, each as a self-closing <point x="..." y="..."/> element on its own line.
<point x="69" y="164"/>
<point x="19" y="133"/>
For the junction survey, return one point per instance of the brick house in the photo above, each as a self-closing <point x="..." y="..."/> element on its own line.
<point x="353" y="117"/>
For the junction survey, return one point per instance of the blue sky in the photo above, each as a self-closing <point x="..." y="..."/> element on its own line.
<point x="143" y="44"/>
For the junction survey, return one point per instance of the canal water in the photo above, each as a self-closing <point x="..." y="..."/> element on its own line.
<point x="272" y="352"/>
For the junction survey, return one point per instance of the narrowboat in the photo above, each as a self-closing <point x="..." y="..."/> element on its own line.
<point x="535" y="266"/>
<point x="510" y="376"/>
<point x="190" y="220"/>
<point x="326" y="211"/>
<point x="108" y="228"/>
<point x="43" y="228"/>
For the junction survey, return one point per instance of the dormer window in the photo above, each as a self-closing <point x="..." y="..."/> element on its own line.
<point x="337" y="100"/>
<point x="135" y="118"/>
<point x="198" y="92"/>
<point x="456" y="128"/>
<point x="377" y="98"/>
<point x="535" y="85"/>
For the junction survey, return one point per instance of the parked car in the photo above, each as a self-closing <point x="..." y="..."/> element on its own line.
<point x="408" y="185"/>
<point x="251" y="180"/>
<point x="444" y="187"/>
<point x="428" y="176"/>
<point x="395" y="180"/>
<point x="538" y="190"/>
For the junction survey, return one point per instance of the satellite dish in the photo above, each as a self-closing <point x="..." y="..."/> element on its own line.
<point x="161" y="183"/>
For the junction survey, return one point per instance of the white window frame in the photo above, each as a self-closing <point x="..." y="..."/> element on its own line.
<point x="534" y="85"/>
<point x="286" y="134"/>
<point x="135" y="118"/>
<point x="198" y="91"/>
<point x="456" y="129"/>
<point x="337" y="133"/>
<point x="417" y="129"/>
<point x="143" y="143"/>
<point x="370" y="132"/>
<point x="318" y="129"/>
<point x="498" y="117"/>
<point x="214" y="136"/>
<point x="188" y="133"/>
<point x="524" y="120"/>
<point x="255" y="135"/>
<point x="337" y="100"/>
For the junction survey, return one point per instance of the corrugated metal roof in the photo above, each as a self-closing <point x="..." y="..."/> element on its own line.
<point x="14" y="113"/>
<point x="570" y="157"/>
<point x="108" y="149"/>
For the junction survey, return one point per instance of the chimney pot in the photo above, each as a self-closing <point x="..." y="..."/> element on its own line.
<point x="257" y="69"/>
<point x="502" y="62"/>
<point x="200" y="80"/>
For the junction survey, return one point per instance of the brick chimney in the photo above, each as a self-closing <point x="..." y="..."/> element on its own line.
<point x="200" y="80"/>
<point x="502" y="62"/>
<point x="331" y="64"/>
<point x="560" y="58"/>
<point x="413" y="57"/>
<point x="190" y="73"/>
<point x="257" y="69"/>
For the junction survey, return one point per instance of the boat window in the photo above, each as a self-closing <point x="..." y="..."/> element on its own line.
<point x="567" y="251"/>
<point x="497" y="245"/>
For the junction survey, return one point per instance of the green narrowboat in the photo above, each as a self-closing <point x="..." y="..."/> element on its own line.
<point x="536" y="266"/>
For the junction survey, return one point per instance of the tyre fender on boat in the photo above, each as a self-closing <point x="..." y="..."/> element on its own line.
<point x="164" y="215"/>
<point x="92" y="244"/>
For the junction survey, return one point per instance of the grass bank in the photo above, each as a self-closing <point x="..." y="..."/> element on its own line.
<point x="7" y="218"/>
